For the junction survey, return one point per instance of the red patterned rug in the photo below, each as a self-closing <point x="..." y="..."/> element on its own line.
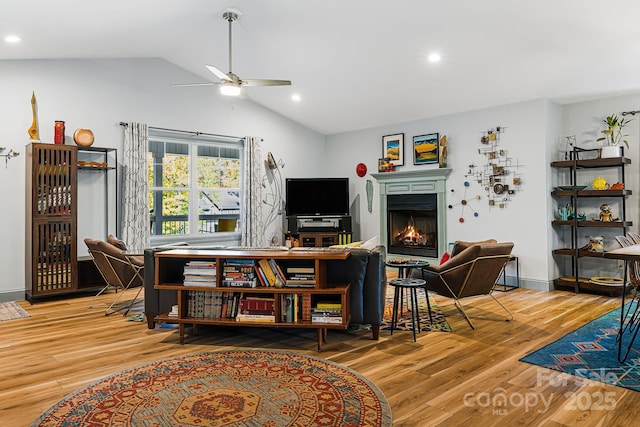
<point x="227" y="388"/>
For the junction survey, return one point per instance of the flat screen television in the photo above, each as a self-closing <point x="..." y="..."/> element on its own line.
<point x="317" y="196"/>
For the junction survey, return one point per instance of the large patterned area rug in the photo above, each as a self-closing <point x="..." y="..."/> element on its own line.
<point x="11" y="310"/>
<point x="227" y="388"/>
<point x="404" y="318"/>
<point x="592" y="352"/>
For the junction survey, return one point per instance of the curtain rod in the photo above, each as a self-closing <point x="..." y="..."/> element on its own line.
<point x="633" y="113"/>
<point x="189" y="132"/>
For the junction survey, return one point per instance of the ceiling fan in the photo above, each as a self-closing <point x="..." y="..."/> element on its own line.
<point x="230" y="83"/>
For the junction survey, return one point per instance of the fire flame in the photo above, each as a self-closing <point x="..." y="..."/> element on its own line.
<point x="410" y="236"/>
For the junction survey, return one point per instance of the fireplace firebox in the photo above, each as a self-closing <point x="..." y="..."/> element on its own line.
<point x="412" y="224"/>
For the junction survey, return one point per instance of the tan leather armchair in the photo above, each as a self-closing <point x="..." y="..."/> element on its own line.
<point x="119" y="271"/>
<point x="472" y="270"/>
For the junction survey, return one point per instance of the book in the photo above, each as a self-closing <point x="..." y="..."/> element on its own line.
<point x="306" y="306"/>
<point x="326" y="311"/>
<point x="174" y="311"/>
<point x="260" y="275"/>
<point x="287" y="308"/>
<point x="239" y="283"/>
<point x="277" y="271"/>
<point x="200" y="271"/>
<point x="256" y="303"/>
<point x="329" y="304"/>
<point x="326" y="319"/>
<point x="303" y="270"/>
<point x="264" y="318"/>
<point x="265" y="267"/>
<point x="300" y="283"/>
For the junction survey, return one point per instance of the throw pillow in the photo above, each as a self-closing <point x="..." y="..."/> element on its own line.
<point x="445" y="258"/>
<point x="348" y="245"/>
<point x="371" y="243"/>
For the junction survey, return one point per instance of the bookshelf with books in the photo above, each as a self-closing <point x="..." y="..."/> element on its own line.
<point x="253" y="288"/>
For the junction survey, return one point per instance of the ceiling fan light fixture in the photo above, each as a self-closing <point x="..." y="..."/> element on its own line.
<point x="230" y="89"/>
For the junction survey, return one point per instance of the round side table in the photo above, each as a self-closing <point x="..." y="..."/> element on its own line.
<point x="405" y="266"/>
<point x="412" y="286"/>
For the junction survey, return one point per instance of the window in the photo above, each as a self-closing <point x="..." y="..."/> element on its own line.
<point x="194" y="185"/>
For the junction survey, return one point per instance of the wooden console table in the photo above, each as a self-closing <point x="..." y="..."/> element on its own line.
<point x="169" y="275"/>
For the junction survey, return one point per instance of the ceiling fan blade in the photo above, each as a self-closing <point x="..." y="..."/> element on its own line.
<point x="265" y="82"/>
<point x="192" y="84"/>
<point x="218" y="73"/>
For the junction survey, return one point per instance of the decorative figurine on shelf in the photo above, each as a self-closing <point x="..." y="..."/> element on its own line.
<point x="33" y="130"/>
<point x="442" y="158"/>
<point x="58" y="132"/>
<point x="570" y="142"/>
<point x="563" y="213"/>
<point x="617" y="186"/>
<point x="599" y="183"/>
<point x="605" y="214"/>
<point x="595" y="244"/>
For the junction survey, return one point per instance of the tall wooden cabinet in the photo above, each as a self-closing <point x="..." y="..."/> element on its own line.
<point x="582" y="168"/>
<point x="51" y="240"/>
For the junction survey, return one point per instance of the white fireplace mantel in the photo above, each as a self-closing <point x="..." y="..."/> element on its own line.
<point x="423" y="181"/>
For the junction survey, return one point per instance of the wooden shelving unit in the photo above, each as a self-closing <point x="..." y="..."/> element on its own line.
<point x="169" y="276"/>
<point x="573" y="279"/>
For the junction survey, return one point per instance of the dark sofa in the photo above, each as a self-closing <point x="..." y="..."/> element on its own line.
<point x="364" y="270"/>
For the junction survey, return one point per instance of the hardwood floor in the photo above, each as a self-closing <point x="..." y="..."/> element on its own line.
<point x="446" y="379"/>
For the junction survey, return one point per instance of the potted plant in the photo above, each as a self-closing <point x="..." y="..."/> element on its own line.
<point x="613" y="136"/>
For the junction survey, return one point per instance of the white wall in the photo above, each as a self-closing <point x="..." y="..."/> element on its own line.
<point x="98" y="94"/>
<point x="584" y="120"/>
<point x="534" y="136"/>
<point x="524" y="139"/>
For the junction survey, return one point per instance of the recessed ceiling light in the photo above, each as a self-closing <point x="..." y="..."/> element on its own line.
<point x="434" y="57"/>
<point x="296" y="97"/>
<point x="12" y="39"/>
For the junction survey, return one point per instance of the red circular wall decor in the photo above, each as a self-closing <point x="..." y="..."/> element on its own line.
<point x="361" y="169"/>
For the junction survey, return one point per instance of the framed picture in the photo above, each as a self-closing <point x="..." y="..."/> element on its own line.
<point x="393" y="148"/>
<point x="425" y="149"/>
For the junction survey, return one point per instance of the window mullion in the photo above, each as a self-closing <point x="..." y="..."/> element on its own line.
<point x="193" y="190"/>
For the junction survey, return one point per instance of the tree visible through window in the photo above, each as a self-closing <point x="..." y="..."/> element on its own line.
<point x="194" y="186"/>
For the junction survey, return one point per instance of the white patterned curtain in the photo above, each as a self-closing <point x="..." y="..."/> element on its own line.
<point x="252" y="221"/>
<point x="135" y="187"/>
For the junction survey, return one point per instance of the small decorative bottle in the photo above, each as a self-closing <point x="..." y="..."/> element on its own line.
<point x="58" y="132"/>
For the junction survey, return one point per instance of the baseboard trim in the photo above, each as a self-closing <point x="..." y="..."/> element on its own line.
<point x="12" y="296"/>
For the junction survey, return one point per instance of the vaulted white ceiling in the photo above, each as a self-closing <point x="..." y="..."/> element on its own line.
<point x="357" y="63"/>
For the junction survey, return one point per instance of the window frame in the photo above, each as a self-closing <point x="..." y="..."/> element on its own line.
<point x="194" y="140"/>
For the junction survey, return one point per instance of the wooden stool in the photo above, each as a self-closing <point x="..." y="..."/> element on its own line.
<point x="412" y="286"/>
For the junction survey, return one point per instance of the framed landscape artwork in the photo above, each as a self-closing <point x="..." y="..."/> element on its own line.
<point x="425" y="149"/>
<point x="393" y="148"/>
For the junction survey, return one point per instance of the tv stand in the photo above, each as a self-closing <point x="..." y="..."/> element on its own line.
<point x="318" y="224"/>
<point x="318" y="239"/>
<point x="319" y="231"/>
